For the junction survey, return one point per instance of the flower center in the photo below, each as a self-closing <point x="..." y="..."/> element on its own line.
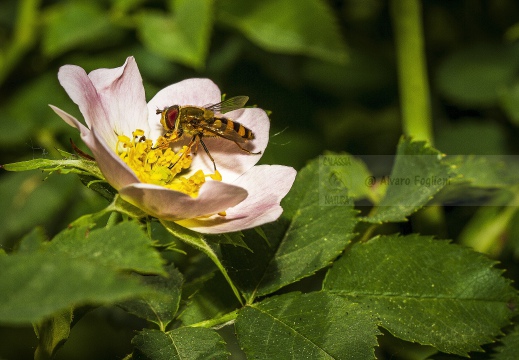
<point x="160" y="166"/>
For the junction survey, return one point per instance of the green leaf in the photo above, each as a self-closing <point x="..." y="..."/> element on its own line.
<point x="285" y="26"/>
<point x="124" y="207"/>
<point x="198" y="241"/>
<point x="101" y="187"/>
<point x="28" y="200"/>
<point x="308" y="236"/>
<point x="33" y="241"/>
<point x="417" y="175"/>
<point x="83" y="167"/>
<point x="183" y="36"/>
<point x="510" y="346"/>
<point x="473" y="76"/>
<point x="182" y="344"/>
<point x="190" y="237"/>
<point x="235" y="239"/>
<point x="35" y="286"/>
<point x="213" y="299"/>
<point x="485" y="171"/>
<point x="160" y="305"/>
<point x="481" y="180"/>
<point x="123" y="247"/>
<point x="76" y="24"/>
<point x="311" y="326"/>
<point x="349" y="171"/>
<point x="118" y="205"/>
<point x="52" y="333"/>
<point x="32" y="165"/>
<point x="426" y="291"/>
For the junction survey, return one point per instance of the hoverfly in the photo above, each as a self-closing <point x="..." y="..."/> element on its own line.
<point x="200" y="122"/>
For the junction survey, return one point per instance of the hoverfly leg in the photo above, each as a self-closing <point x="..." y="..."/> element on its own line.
<point x="194" y="142"/>
<point x="166" y="139"/>
<point x="189" y="146"/>
<point x="195" y="145"/>
<point x="207" y="152"/>
<point x="247" y="151"/>
<point x="162" y="142"/>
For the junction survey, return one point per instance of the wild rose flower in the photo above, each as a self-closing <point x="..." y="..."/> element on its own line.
<point x="122" y="132"/>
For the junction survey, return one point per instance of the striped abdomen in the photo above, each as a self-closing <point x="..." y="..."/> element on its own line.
<point x="227" y="126"/>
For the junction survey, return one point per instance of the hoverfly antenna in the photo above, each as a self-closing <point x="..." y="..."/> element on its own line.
<point x="158" y="111"/>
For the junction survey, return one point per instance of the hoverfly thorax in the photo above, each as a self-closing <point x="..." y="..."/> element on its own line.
<point x="169" y="117"/>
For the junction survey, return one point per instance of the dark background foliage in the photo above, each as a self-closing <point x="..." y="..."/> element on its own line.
<point x="325" y="69"/>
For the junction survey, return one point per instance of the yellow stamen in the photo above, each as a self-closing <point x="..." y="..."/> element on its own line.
<point x="160" y="166"/>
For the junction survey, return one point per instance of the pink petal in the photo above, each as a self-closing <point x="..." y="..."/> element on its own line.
<point x="122" y="96"/>
<point x="71" y="120"/>
<point x="198" y="92"/>
<point x="116" y="172"/>
<point x="111" y="100"/>
<point x="158" y="201"/>
<point x="78" y="86"/>
<point x="266" y="185"/>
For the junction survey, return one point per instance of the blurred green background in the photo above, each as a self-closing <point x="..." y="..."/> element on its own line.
<point x="325" y="68"/>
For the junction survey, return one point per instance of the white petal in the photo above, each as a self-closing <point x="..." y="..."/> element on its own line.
<point x="115" y="171"/>
<point x="197" y="92"/>
<point x="163" y="203"/>
<point x="266" y="185"/>
<point x="121" y="93"/>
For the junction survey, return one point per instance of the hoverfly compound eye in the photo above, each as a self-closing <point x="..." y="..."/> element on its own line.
<point x="171" y="116"/>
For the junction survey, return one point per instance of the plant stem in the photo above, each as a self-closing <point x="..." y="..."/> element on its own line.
<point x="414" y="90"/>
<point x="222" y="320"/>
<point x="112" y="219"/>
<point x="412" y="70"/>
<point x="486" y="232"/>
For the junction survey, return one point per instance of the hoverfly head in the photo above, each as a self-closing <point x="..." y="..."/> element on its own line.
<point x="169" y="117"/>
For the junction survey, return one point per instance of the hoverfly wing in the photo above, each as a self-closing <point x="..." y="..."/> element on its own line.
<point x="230" y="104"/>
<point x="226" y="134"/>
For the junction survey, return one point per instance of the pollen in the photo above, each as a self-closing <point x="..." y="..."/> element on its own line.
<point x="159" y="166"/>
